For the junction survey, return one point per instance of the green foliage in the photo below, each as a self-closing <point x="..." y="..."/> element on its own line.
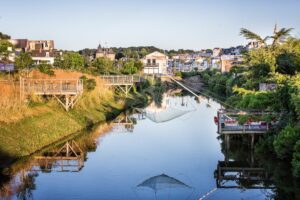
<point x="131" y="67"/>
<point x="103" y="65"/>
<point x="262" y="61"/>
<point x="178" y="74"/>
<point x="285" y="141"/>
<point x="88" y="84"/>
<point x="4" y="45"/>
<point x="24" y="61"/>
<point x="46" y="69"/>
<point x="70" y="60"/>
<point x="296" y="159"/>
<point x="4" y="36"/>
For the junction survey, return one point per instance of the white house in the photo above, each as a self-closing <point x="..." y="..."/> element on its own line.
<point x="43" y="56"/>
<point x="155" y="63"/>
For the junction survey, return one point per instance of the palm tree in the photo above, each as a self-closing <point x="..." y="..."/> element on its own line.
<point x="280" y="35"/>
<point x="277" y="36"/>
<point x="253" y="36"/>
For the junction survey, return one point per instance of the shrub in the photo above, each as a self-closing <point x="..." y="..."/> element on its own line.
<point x="296" y="159"/>
<point x="88" y="84"/>
<point x="285" y="141"/>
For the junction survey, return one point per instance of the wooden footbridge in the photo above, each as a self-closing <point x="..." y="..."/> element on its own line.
<point x="122" y="83"/>
<point x="66" y="91"/>
<point x="229" y="125"/>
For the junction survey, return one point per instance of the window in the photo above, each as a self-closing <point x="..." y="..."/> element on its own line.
<point x="149" y="61"/>
<point x="153" y="61"/>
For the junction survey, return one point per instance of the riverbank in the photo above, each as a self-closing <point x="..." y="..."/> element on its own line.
<point x="46" y="122"/>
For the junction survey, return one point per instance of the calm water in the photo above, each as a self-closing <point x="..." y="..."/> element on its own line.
<point x="174" y="159"/>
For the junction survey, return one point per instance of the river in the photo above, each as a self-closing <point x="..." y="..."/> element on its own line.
<point x="171" y="151"/>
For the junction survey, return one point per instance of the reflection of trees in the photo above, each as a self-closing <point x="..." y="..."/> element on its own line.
<point x="278" y="172"/>
<point x="5" y="177"/>
<point x="241" y="168"/>
<point x="24" y="190"/>
<point x="19" y="179"/>
<point x="20" y="185"/>
<point x="287" y="187"/>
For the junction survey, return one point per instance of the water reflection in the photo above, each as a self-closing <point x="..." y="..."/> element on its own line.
<point x="170" y="108"/>
<point x="68" y="158"/>
<point x="163" y="182"/>
<point x="240" y="169"/>
<point x="124" y="122"/>
<point x="178" y="159"/>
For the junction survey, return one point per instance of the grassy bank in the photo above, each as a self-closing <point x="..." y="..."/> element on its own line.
<point x="43" y="121"/>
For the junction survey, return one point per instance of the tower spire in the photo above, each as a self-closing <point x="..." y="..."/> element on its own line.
<point x="275" y="28"/>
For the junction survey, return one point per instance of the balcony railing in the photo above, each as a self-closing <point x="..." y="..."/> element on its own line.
<point x="152" y="65"/>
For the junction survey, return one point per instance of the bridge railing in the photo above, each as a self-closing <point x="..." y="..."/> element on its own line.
<point x="51" y="86"/>
<point x="120" y="79"/>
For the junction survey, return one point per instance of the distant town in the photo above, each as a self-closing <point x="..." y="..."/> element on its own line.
<point x="155" y="60"/>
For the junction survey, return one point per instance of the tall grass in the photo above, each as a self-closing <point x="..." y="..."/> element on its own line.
<point x="11" y="108"/>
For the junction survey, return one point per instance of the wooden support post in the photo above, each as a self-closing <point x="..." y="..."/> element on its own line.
<point x="227" y="142"/>
<point x="252" y="141"/>
<point x="67" y="102"/>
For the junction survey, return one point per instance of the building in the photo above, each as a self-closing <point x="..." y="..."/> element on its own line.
<point x="217" y="52"/>
<point x="227" y="61"/>
<point x="253" y="45"/>
<point x="41" y="50"/>
<point x="21" y="45"/>
<point x="267" y="86"/>
<point x="41" y="45"/>
<point x="105" y="53"/>
<point x="6" y="66"/>
<point x="43" y="57"/>
<point x="216" y="62"/>
<point x="155" y="63"/>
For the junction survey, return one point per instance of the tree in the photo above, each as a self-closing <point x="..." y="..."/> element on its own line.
<point x="285" y="141"/>
<point x="24" y="61"/>
<point x="253" y="36"/>
<point x="143" y="52"/>
<point x="129" y="68"/>
<point x="4" y="36"/>
<point x="103" y="65"/>
<point x="72" y="60"/>
<point x="277" y="36"/>
<point x="4" y="48"/>
<point x="282" y="34"/>
<point x="45" y="68"/>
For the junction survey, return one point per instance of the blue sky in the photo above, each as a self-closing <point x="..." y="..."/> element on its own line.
<point x="193" y="24"/>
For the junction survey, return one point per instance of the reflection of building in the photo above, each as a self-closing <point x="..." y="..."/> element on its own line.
<point x="168" y="109"/>
<point x="155" y="63"/>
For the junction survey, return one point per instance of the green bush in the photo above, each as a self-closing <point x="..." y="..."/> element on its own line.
<point x="178" y="74"/>
<point x="296" y="159"/>
<point x="88" y="84"/>
<point x="285" y="141"/>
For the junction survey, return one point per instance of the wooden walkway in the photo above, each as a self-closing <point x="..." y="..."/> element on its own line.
<point x="120" y="79"/>
<point x="66" y="91"/>
<point x="121" y="82"/>
<point x="228" y="123"/>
